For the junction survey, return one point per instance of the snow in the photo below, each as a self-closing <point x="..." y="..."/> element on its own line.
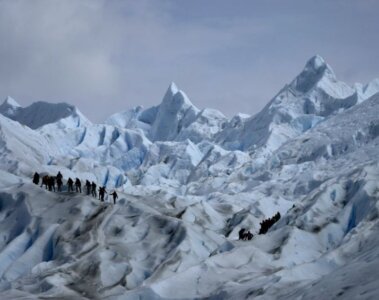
<point x="42" y="113"/>
<point x="174" y="113"/>
<point x="9" y="107"/>
<point x="188" y="180"/>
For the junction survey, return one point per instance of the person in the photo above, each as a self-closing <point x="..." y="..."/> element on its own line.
<point x="88" y="186"/>
<point x="59" y="175"/>
<point x="36" y="178"/>
<point x="51" y="183"/>
<point x="247" y="236"/>
<point x="241" y="233"/>
<point x="45" y="181"/>
<point x="70" y="185"/>
<point x="93" y="185"/>
<point x="59" y="178"/>
<point x="115" y="196"/>
<point x="102" y="192"/>
<point x="78" y="185"/>
<point x="59" y="184"/>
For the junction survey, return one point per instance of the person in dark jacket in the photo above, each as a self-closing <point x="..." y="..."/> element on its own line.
<point x="59" y="178"/>
<point x="102" y="193"/>
<point x="94" y="193"/>
<point x="115" y="196"/>
<point x="51" y="183"/>
<point x="36" y="178"/>
<point x="88" y="186"/>
<point x="241" y="233"/>
<point x="78" y="185"/>
<point x="70" y="185"/>
<point x="45" y="181"/>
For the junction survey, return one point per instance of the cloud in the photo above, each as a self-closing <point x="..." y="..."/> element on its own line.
<point x="107" y="56"/>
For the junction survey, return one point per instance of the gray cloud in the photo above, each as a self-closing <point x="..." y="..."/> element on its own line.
<point x="107" y="56"/>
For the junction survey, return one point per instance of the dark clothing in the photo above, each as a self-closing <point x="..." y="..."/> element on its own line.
<point x="51" y="183"/>
<point x="59" y="184"/>
<point x="93" y="185"/>
<point x="88" y="186"/>
<point x="36" y="178"/>
<point x="78" y="185"/>
<point x="70" y="185"/>
<point x="241" y="233"/>
<point x="59" y="178"/>
<point x="247" y="236"/>
<point x="115" y="196"/>
<point x="102" y="192"/>
<point x="45" y="181"/>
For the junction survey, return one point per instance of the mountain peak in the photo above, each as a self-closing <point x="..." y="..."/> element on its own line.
<point x="173" y="88"/>
<point x="10" y="102"/>
<point x="175" y="111"/>
<point x="9" y="107"/>
<point x="314" y="71"/>
<point x="316" y="62"/>
<point x="175" y="98"/>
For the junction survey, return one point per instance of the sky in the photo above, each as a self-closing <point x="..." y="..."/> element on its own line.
<point x="106" y="56"/>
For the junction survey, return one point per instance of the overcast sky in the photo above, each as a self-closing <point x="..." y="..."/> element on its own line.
<point x="107" y="56"/>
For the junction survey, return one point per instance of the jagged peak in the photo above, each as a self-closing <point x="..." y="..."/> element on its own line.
<point x="176" y="98"/>
<point x="9" y="101"/>
<point x="314" y="71"/>
<point x="316" y="63"/>
<point x="173" y="88"/>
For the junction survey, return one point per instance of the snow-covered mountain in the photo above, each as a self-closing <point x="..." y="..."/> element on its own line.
<point x="188" y="180"/>
<point x="42" y="113"/>
<point x="312" y="96"/>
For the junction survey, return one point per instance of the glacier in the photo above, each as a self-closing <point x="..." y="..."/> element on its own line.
<point x="188" y="180"/>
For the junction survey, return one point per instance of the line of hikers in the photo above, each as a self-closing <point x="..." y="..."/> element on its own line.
<point x="246" y="235"/>
<point x="49" y="182"/>
<point x="267" y="223"/>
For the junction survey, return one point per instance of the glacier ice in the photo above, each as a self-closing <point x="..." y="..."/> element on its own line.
<point x="188" y="180"/>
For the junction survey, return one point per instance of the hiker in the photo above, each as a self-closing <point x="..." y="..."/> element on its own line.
<point x="36" y="178"/>
<point x="241" y="233"/>
<point x="51" y="183"/>
<point x="267" y="223"/>
<point x="59" y="178"/>
<point x="59" y="184"/>
<point x="93" y="185"/>
<point x="102" y="192"/>
<point x="70" y="185"/>
<point x="88" y="186"/>
<point x="115" y="196"/>
<point x="45" y="181"/>
<point x="247" y="236"/>
<point x="59" y="175"/>
<point x="78" y="185"/>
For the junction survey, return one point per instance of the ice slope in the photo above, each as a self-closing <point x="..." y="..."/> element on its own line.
<point x="118" y="247"/>
<point x="131" y="119"/>
<point x="21" y="148"/>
